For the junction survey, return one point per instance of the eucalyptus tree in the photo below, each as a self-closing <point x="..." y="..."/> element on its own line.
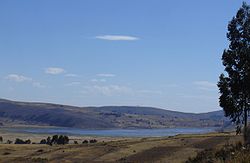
<point x="234" y="86"/>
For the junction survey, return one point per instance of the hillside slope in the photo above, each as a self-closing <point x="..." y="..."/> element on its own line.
<point x="12" y="112"/>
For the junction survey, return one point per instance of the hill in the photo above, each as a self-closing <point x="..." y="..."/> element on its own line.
<point x="12" y="113"/>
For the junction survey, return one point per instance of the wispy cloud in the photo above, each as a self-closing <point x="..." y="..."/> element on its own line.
<point x="72" y="75"/>
<point x="73" y="84"/>
<point x="98" y="80"/>
<point x="20" y="78"/>
<point x="17" y="78"/>
<point x="205" y="85"/>
<point x="54" y="70"/>
<point x="106" y="75"/>
<point x="108" y="90"/>
<point x="117" y="38"/>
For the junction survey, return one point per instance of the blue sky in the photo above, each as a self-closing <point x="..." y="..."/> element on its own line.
<point x="160" y="53"/>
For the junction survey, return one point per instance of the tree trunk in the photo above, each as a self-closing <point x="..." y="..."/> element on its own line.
<point x="245" y="125"/>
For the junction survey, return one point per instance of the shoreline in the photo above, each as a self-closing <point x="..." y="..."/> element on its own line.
<point x="114" y="134"/>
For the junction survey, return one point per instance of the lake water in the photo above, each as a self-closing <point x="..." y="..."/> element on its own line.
<point x="116" y="132"/>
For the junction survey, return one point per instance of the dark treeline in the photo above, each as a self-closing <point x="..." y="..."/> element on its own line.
<point x="55" y="139"/>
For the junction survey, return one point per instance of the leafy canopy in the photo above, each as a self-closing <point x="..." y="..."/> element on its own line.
<point x="235" y="85"/>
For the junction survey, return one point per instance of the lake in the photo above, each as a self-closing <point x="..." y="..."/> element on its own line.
<point x="115" y="132"/>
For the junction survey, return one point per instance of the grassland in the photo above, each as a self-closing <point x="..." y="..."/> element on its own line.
<point x="164" y="149"/>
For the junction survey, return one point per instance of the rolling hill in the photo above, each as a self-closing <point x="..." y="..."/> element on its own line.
<point x="26" y="113"/>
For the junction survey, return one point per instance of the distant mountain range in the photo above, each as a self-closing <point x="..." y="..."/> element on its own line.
<point x="107" y="117"/>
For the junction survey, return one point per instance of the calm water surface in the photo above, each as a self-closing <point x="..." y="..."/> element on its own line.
<point x="115" y="132"/>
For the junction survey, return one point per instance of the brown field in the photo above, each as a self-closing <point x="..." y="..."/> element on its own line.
<point x="165" y="149"/>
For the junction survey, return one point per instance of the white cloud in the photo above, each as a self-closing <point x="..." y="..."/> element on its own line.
<point x="108" y="90"/>
<point x="17" y="78"/>
<point x="205" y="85"/>
<point x="21" y="78"/>
<point x="73" y="84"/>
<point x="72" y="75"/>
<point x="98" y="80"/>
<point x="54" y="70"/>
<point x="117" y="38"/>
<point x="106" y="75"/>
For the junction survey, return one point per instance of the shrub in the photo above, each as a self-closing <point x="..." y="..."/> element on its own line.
<point x="62" y="140"/>
<point x="9" y="142"/>
<point x="85" y="142"/>
<point x="228" y="153"/>
<point x="93" y="141"/>
<point x="20" y="141"/>
<point x="43" y="141"/>
<point x="54" y="139"/>
<point x="28" y="141"/>
<point x="49" y="142"/>
<point x="205" y="156"/>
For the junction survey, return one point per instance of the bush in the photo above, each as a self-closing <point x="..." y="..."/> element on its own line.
<point x="1" y="139"/>
<point x="85" y="142"/>
<point x="93" y="141"/>
<point x="62" y="140"/>
<point x="49" y="142"/>
<point x="75" y="142"/>
<point x="205" y="156"/>
<point x="56" y="139"/>
<point x="228" y="153"/>
<point x="28" y="141"/>
<point x="20" y="141"/>
<point x="9" y="142"/>
<point x="43" y="141"/>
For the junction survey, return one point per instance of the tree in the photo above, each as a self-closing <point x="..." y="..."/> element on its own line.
<point x="49" y="141"/>
<point x="28" y="141"/>
<point x="43" y="141"/>
<point x="63" y="140"/>
<point x="54" y="139"/>
<point x="235" y="86"/>
<point x="9" y="142"/>
<point x="85" y="142"/>
<point x="20" y="141"/>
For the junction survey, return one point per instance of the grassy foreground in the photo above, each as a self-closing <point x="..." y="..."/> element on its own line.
<point x="165" y="149"/>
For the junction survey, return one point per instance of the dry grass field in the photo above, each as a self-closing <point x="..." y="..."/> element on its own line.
<point x="135" y="150"/>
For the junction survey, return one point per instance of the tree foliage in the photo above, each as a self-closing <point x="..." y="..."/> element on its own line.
<point x="56" y="139"/>
<point x="20" y="141"/>
<point x="235" y="85"/>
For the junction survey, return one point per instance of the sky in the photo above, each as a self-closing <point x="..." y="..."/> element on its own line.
<point x="159" y="53"/>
